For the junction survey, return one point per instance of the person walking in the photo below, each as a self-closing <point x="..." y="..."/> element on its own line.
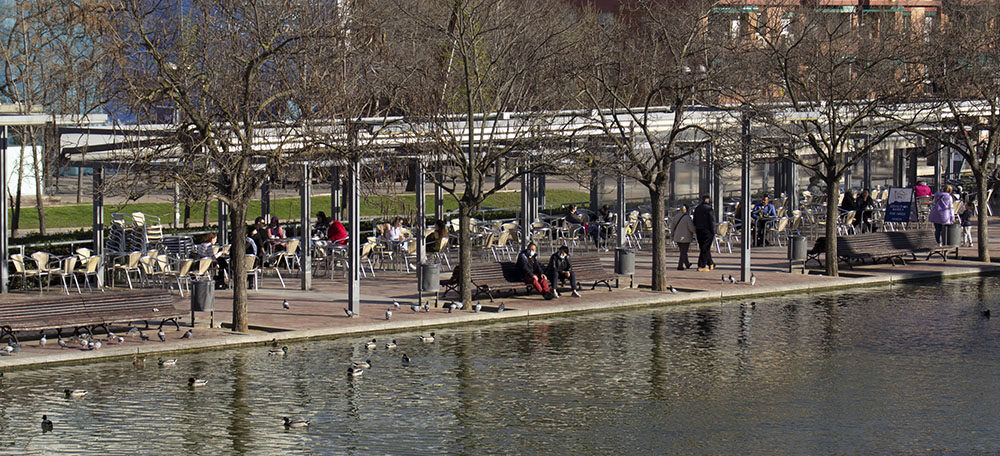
<point x="942" y="213"/>
<point x="683" y="232"/>
<point x="560" y="269"/>
<point x="704" y="228"/>
<point x="531" y="271"/>
<point x="967" y="212"/>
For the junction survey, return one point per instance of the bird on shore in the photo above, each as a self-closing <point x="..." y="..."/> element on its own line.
<point x="366" y="364"/>
<point x="395" y="304"/>
<point x="285" y="305"/>
<point x="371" y="344"/>
<point x="406" y="359"/>
<point x="161" y="335"/>
<point x="723" y="278"/>
<point x="452" y="307"/>
<point x="97" y="345"/>
<point x="388" y="313"/>
<point x="62" y="343"/>
<point x="414" y="307"/>
<point x="390" y="345"/>
<point x="500" y="308"/>
<point x="166" y="362"/>
<point x="197" y="382"/>
<point x="477" y="307"/>
<point x="111" y="335"/>
<point x="188" y="334"/>
<point x="349" y="313"/>
<point x="43" y="341"/>
<point x="46" y="424"/>
<point x="427" y="339"/>
<point x="354" y="371"/>
<point x="753" y="279"/>
<point x="143" y="337"/>
<point x="278" y="351"/>
<point x="427" y="307"/>
<point x="731" y="279"/>
<point x="672" y="289"/>
<point x="121" y="340"/>
<point x="75" y="392"/>
<point x="133" y="331"/>
<point x="289" y="424"/>
<point x="10" y="349"/>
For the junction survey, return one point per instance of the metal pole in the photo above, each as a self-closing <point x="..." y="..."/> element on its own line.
<point x="541" y="190"/>
<point x="525" y="220"/>
<point x="305" y="244"/>
<point x="716" y="187"/>
<point x="265" y="199"/>
<point x="867" y="177"/>
<point x="335" y="193"/>
<point x="745" y="194"/>
<point x="354" y="235"/>
<point x="620" y="208"/>
<point x="224" y="223"/>
<point x="793" y="186"/>
<point x="438" y="197"/>
<point x="98" y="221"/>
<point x="177" y="205"/>
<point x="4" y="273"/>
<point x="421" y="199"/>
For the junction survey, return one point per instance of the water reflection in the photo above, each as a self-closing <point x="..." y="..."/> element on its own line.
<point x="863" y="371"/>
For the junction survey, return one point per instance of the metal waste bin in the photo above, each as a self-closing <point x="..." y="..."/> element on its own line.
<point x="953" y="234"/>
<point x="430" y="277"/>
<point x="797" y="248"/>
<point x="624" y="262"/>
<point x="202" y="295"/>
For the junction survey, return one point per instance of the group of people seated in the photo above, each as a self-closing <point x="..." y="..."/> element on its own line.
<point x="543" y="280"/>
<point x="593" y="228"/>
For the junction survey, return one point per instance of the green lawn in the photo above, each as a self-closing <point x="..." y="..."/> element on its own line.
<point x="79" y="216"/>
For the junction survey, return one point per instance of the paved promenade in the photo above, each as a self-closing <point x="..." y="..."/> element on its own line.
<point x="319" y="313"/>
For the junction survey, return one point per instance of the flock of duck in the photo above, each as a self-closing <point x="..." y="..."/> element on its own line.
<point x="87" y="341"/>
<point x="451" y="306"/>
<point x="356" y="369"/>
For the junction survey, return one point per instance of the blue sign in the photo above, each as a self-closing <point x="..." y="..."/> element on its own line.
<point x="899" y="205"/>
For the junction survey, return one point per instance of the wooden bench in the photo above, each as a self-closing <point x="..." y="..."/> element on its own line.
<point x="87" y="312"/>
<point x="588" y="267"/>
<point x="891" y="246"/>
<point x="486" y="277"/>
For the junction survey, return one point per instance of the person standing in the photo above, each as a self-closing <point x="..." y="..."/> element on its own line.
<point x="863" y="211"/>
<point x="966" y="213"/>
<point x="683" y="232"/>
<point x="531" y="271"/>
<point x="704" y="228"/>
<point x="942" y="213"/>
<point x="561" y="269"/>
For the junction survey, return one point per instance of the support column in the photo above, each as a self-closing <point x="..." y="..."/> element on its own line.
<point x="792" y="171"/>
<point x="541" y="190"/>
<point x="672" y="186"/>
<point x="335" y="193"/>
<point x="224" y="224"/>
<point x="305" y="243"/>
<point x="867" y="170"/>
<point x="745" y="195"/>
<point x="938" y="178"/>
<point x="716" y="187"/>
<point x="354" y="235"/>
<point x="911" y="168"/>
<point x="898" y="167"/>
<point x="265" y="199"/>
<point x="4" y="218"/>
<point x="525" y="221"/>
<point x="177" y="205"/>
<point x="438" y="197"/>
<point x="420" y="196"/>
<point x="620" y="209"/>
<point x="98" y="222"/>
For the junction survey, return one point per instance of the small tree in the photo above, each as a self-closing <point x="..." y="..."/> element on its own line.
<point x="816" y="84"/>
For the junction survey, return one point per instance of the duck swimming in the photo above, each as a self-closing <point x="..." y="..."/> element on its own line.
<point x="295" y="423"/>
<point x="196" y="382"/>
<point x="75" y="392"/>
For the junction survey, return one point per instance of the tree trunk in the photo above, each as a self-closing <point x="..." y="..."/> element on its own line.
<point x="187" y="214"/>
<point x="39" y="196"/>
<point x="832" y="192"/>
<point x="465" y="252"/>
<point x="204" y="213"/>
<point x="16" y="216"/>
<point x="659" y="240"/>
<point x="982" y="220"/>
<point x="237" y="217"/>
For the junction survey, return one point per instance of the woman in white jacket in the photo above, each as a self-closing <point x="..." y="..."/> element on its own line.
<point x="682" y="228"/>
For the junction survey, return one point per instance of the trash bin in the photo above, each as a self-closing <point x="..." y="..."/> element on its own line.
<point x="430" y="277"/>
<point x="953" y="234"/>
<point x="797" y="248"/>
<point x="202" y="295"/>
<point x="624" y="262"/>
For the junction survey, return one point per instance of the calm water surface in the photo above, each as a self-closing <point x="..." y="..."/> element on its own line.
<point x="909" y="370"/>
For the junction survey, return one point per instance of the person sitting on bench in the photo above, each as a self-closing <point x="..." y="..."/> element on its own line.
<point x="560" y="270"/>
<point x="531" y="271"/>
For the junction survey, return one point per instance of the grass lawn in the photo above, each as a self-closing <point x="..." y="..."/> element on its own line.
<point x="79" y="216"/>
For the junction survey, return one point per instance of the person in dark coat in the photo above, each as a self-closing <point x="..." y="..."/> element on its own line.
<point x="531" y="271"/>
<point x="704" y="229"/>
<point x="561" y="269"/>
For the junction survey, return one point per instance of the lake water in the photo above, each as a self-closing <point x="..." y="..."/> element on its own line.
<point x="910" y="370"/>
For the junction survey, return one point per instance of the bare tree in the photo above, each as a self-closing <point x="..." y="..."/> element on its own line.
<point x="464" y="66"/>
<point x="817" y="84"/>
<point x="961" y="58"/>
<point x="234" y="73"/>
<point x="651" y="66"/>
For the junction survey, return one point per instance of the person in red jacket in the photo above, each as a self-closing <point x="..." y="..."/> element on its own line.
<point x="337" y="233"/>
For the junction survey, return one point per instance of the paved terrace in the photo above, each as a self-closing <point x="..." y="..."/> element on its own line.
<point x="319" y="313"/>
